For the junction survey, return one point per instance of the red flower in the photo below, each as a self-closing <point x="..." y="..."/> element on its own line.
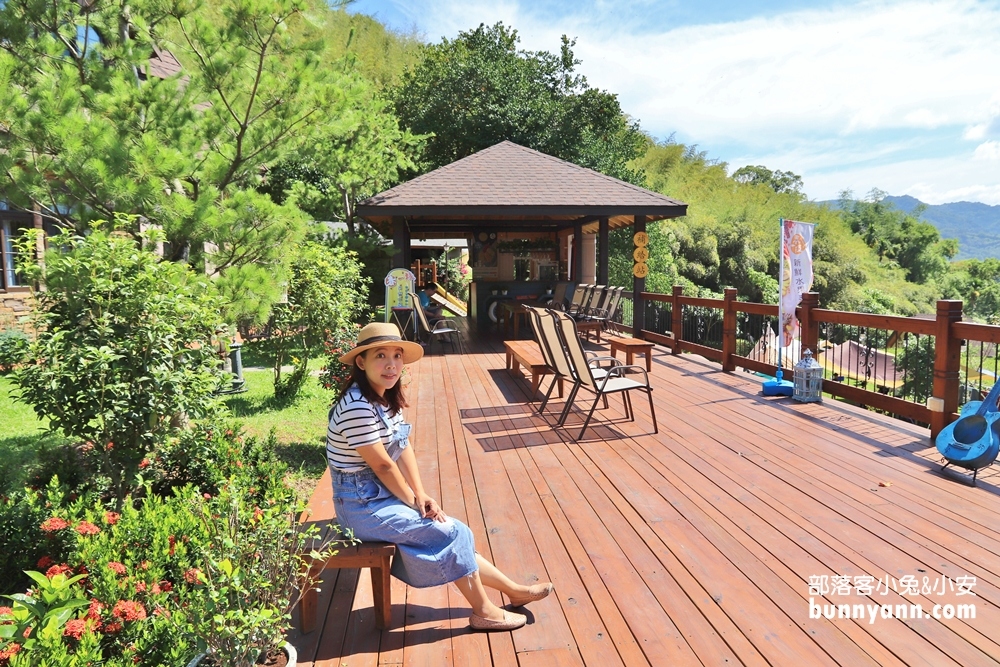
<point x="140" y="586"/>
<point x="54" y="525"/>
<point x="206" y="496"/>
<point x="111" y="518"/>
<point x="75" y="628"/>
<point x="44" y="562"/>
<point x="27" y="632"/>
<point x="117" y="568"/>
<point x="192" y="575"/>
<point x="87" y="528"/>
<point x="166" y="586"/>
<point x="171" y="541"/>
<point x="58" y="569"/>
<point x="9" y="652"/>
<point x="110" y="446"/>
<point x="143" y="464"/>
<point x="94" y="611"/>
<point x="129" y="610"/>
<point x="113" y="628"/>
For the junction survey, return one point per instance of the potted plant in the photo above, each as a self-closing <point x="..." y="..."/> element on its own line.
<point x="252" y="572"/>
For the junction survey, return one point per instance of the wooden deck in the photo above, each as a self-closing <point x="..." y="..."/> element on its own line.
<point x="691" y="547"/>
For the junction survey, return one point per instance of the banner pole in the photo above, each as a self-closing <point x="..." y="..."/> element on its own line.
<point x="778" y="386"/>
<point x="781" y="287"/>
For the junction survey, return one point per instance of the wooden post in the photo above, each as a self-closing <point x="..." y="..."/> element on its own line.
<point x="577" y="253"/>
<point x="415" y="267"/>
<point x="603" y="251"/>
<point x="677" y="319"/>
<point x="729" y="330"/>
<point x="638" y="286"/>
<point x="947" y="362"/>
<point x="808" y="324"/>
<point x="400" y="243"/>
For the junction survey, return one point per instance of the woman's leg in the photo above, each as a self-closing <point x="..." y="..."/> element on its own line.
<point x="492" y="577"/>
<point x="472" y="589"/>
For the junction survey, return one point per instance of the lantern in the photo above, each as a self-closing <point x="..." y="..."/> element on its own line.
<point x="808" y="379"/>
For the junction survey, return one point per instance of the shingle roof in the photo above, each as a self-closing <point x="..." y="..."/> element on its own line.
<point x="511" y="182"/>
<point x="163" y="64"/>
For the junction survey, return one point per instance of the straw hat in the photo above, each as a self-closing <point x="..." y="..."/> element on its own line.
<point x="383" y="334"/>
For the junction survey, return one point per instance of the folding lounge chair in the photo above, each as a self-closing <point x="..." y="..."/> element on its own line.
<point x="545" y="340"/>
<point x="446" y="328"/>
<point x="596" y="295"/>
<point x="580" y="297"/>
<point x="614" y="381"/>
<point x="607" y="313"/>
<point x="554" y="356"/>
<point x="598" y="301"/>
<point x="558" y="296"/>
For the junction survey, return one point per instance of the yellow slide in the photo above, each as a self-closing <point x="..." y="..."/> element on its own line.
<point x="450" y="303"/>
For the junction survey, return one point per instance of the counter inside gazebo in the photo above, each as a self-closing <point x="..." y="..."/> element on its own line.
<point x="531" y="219"/>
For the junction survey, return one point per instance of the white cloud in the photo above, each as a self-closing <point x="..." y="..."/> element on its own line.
<point x="989" y="150"/>
<point x="852" y="91"/>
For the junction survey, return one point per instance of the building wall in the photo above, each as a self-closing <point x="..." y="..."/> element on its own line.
<point x="13" y="306"/>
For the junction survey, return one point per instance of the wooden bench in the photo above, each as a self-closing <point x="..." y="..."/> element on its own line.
<point x="374" y="555"/>
<point x="526" y="353"/>
<point x="631" y="347"/>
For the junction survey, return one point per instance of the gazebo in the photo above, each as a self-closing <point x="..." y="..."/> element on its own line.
<point x="531" y="219"/>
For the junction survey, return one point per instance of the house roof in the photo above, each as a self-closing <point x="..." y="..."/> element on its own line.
<point x="514" y="187"/>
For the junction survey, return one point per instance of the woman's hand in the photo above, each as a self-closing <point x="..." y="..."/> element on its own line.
<point x="429" y="508"/>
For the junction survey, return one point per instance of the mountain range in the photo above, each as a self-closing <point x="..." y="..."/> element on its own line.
<point x="975" y="225"/>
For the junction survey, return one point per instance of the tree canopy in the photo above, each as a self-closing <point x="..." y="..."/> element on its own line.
<point x="479" y="89"/>
<point x="92" y="132"/>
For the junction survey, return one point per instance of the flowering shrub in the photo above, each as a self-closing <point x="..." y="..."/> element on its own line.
<point x="35" y="524"/>
<point x="167" y="577"/>
<point x="334" y="374"/>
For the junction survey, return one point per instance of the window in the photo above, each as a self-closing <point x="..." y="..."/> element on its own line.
<point x="10" y="229"/>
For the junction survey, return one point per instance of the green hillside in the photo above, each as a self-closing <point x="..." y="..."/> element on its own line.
<point x="975" y="225"/>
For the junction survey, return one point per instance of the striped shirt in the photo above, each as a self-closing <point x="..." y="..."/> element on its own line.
<point x="355" y="422"/>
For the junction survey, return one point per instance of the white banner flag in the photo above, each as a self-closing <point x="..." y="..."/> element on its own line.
<point x="796" y="274"/>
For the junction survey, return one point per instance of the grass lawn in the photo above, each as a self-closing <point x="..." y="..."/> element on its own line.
<point x="21" y="434"/>
<point x="300" y="428"/>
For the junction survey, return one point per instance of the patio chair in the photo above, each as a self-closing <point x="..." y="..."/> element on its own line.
<point x="598" y="302"/>
<point x="545" y="327"/>
<point x="581" y="296"/>
<point x="596" y="295"/>
<point x="558" y="296"/>
<point x="605" y="313"/>
<point x="445" y="328"/>
<point x="614" y="381"/>
<point x="557" y="362"/>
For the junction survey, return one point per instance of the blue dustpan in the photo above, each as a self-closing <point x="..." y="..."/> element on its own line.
<point x="777" y="386"/>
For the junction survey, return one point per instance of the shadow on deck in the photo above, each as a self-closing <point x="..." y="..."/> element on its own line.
<point x="696" y="546"/>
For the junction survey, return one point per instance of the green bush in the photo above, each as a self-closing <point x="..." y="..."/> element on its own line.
<point x="334" y="374"/>
<point x="169" y="576"/>
<point x="326" y="293"/>
<point x="124" y="353"/>
<point x="14" y="347"/>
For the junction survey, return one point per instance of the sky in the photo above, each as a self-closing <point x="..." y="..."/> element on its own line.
<point x="900" y="96"/>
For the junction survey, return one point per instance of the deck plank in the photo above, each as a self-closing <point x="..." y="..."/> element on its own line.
<point x="692" y="546"/>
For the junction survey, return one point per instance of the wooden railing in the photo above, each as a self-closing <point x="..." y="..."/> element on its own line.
<point x="734" y="333"/>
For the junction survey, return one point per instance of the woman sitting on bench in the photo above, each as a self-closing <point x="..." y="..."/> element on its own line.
<point x="378" y="493"/>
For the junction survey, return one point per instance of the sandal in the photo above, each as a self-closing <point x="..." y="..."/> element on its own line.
<point x="540" y="594"/>
<point x="511" y="621"/>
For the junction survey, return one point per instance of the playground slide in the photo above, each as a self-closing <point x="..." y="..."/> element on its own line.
<point x="449" y="302"/>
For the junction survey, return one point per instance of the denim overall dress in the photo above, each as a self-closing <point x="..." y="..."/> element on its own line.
<point x="428" y="553"/>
